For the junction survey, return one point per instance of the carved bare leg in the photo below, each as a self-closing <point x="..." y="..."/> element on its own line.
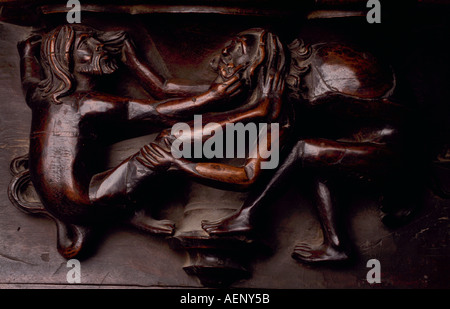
<point x="334" y="156"/>
<point x="313" y="153"/>
<point x="331" y="247"/>
<point x="241" y="221"/>
<point x="117" y="186"/>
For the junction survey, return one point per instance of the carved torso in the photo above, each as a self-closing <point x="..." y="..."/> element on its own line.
<point x="329" y="69"/>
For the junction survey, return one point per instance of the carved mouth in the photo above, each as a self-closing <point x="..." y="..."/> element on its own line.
<point x="227" y="71"/>
<point x="107" y="65"/>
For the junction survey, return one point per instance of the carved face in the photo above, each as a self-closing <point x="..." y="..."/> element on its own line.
<point x="90" y="56"/>
<point x="238" y="55"/>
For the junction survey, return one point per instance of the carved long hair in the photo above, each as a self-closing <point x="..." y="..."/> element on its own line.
<point x="56" y="61"/>
<point x="261" y="56"/>
<point x="299" y="67"/>
<point x="259" y="36"/>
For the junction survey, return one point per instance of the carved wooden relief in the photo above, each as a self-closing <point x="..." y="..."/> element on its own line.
<point x="249" y="111"/>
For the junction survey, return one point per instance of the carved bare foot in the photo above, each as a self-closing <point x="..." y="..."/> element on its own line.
<point x="235" y="223"/>
<point x="71" y="239"/>
<point x="148" y="224"/>
<point x="318" y="253"/>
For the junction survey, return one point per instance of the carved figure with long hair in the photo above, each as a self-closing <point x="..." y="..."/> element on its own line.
<point x="60" y="85"/>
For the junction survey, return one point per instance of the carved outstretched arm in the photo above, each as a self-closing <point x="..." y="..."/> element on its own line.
<point x="263" y="104"/>
<point x="208" y="100"/>
<point x="239" y="176"/>
<point x="264" y="99"/>
<point x="155" y="84"/>
<point x="163" y="112"/>
<point x="256" y="109"/>
<point x="30" y="69"/>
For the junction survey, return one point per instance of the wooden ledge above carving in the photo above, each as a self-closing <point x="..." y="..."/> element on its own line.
<point x="29" y="13"/>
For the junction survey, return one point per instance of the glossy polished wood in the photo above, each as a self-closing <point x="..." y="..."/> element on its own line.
<point x="346" y="125"/>
<point x="66" y="106"/>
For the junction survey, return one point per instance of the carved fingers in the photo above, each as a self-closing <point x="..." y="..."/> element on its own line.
<point x="278" y="85"/>
<point x="30" y="46"/>
<point x="271" y="79"/>
<point x="128" y="49"/>
<point x="262" y="51"/>
<point x="156" y="157"/>
<point x="165" y="139"/>
<point x="113" y="41"/>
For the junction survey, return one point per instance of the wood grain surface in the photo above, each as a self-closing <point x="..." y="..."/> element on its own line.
<point x="412" y="256"/>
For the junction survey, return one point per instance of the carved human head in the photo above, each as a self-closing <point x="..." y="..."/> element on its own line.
<point x="241" y="55"/>
<point x="70" y="49"/>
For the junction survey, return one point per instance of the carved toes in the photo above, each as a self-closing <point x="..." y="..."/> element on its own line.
<point x="226" y="226"/>
<point x="150" y="225"/>
<point x="318" y="253"/>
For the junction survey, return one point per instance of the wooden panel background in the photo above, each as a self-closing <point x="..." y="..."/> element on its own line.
<point x="413" y="256"/>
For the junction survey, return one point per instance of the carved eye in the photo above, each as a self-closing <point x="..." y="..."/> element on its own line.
<point x="86" y="58"/>
<point x="84" y="53"/>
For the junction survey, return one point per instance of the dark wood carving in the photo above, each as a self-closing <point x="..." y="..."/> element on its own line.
<point x="338" y="121"/>
<point x="324" y="79"/>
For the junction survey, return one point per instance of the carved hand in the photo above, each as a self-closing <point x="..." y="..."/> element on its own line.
<point x="128" y="50"/>
<point x="30" y="46"/>
<point x="271" y="84"/>
<point x="160" y="158"/>
<point x="227" y="89"/>
<point x="271" y="78"/>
